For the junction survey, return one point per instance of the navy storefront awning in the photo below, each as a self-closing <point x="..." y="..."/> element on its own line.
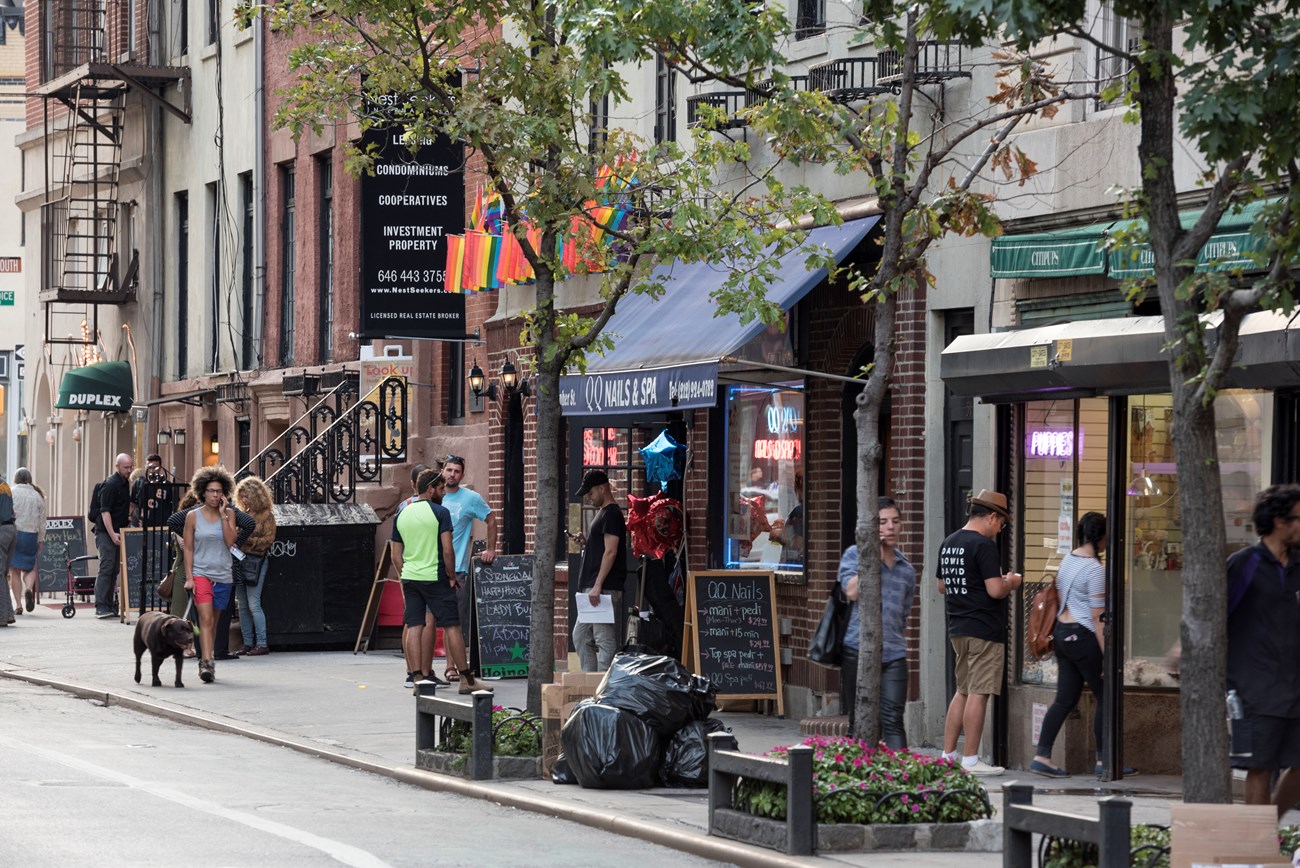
<point x="667" y="351"/>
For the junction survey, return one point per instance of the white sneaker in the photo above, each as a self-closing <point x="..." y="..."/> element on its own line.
<point x="982" y="769"/>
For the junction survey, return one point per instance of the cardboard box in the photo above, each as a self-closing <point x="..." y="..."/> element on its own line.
<point x="552" y="701"/>
<point x="551" y="727"/>
<point x="588" y="681"/>
<point x="1223" y="835"/>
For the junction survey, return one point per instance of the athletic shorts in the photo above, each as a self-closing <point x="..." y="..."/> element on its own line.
<point x="980" y="664"/>
<point x="1274" y="742"/>
<point x="216" y="593"/>
<point x="439" y="598"/>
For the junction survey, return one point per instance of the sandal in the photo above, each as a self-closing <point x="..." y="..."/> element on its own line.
<point x="451" y="674"/>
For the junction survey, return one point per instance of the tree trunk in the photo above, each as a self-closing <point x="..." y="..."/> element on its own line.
<point x="541" y="647"/>
<point x="1203" y="631"/>
<point x="867" y="533"/>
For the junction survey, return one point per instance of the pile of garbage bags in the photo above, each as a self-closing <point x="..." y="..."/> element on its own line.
<point x="648" y="725"/>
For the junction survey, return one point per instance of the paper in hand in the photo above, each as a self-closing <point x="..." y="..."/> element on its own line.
<point x="589" y="614"/>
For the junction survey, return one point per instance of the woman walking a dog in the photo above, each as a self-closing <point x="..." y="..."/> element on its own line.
<point x="254" y="498"/>
<point x="210" y="532"/>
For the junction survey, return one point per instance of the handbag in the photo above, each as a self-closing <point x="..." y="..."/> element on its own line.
<point x="249" y="576"/>
<point x="827" y="645"/>
<point x="168" y="583"/>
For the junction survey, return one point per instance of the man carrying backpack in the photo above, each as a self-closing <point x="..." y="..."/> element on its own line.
<point x="112" y="513"/>
<point x="1264" y="649"/>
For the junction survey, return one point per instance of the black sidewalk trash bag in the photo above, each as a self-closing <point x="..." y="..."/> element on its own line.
<point x="611" y="749"/>
<point x="560" y="772"/>
<point x="685" y="761"/>
<point x="658" y="690"/>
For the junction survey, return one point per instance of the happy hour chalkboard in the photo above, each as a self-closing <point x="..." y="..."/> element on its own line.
<point x="145" y="554"/>
<point x="65" y="538"/>
<point x="733" y="628"/>
<point x="504" y="600"/>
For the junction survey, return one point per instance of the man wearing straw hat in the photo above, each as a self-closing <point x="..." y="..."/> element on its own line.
<point x="975" y="598"/>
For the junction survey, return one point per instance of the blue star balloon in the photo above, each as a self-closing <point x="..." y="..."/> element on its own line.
<point x="664" y="460"/>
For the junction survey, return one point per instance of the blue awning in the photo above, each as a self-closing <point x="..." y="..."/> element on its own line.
<point x="667" y="351"/>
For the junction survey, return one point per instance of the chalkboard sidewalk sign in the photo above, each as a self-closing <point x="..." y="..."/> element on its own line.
<point x="65" y="537"/>
<point x="504" y="602"/>
<point x="142" y="549"/>
<point x="731" y="633"/>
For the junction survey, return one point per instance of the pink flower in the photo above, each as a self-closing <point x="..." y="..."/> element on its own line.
<point x="839" y="757"/>
<point x="857" y="763"/>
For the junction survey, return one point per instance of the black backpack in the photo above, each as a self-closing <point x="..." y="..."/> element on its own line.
<point x="94" y="516"/>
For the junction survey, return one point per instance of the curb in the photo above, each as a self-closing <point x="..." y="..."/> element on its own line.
<point x="687" y="842"/>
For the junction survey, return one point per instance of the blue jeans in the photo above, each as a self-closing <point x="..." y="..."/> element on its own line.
<point x="252" y="620"/>
<point x="893" y="696"/>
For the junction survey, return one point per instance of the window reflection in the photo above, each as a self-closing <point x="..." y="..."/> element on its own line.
<point x="765" y="478"/>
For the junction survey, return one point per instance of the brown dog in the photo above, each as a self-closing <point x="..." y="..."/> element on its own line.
<point x="165" y="636"/>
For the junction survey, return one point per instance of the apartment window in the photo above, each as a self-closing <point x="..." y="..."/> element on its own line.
<point x="456" y="384"/>
<point x="182" y="283"/>
<point x="665" y="101"/>
<point x="214" y="276"/>
<point x="326" y="235"/>
<point x="183" y="26"/>
<point x="288" y="265"/>
<point x="246" y="289"/>
<point x="214" y="20"/>
<point x="1119" y="34"/>
<point x="809" y="18"/>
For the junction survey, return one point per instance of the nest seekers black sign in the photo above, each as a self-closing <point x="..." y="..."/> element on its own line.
<point x="408" y="208"/>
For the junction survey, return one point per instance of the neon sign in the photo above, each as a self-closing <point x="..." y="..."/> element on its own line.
<point x="599" y="447"/>
<point x="778" y="450"/>
<point x="1052" y="443"/>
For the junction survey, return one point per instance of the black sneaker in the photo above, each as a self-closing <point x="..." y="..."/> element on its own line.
<point x="410" y="679"/>
<point x="435" y="679"/>
<point x="207" y="671"/>
<point x="102" y="615"/>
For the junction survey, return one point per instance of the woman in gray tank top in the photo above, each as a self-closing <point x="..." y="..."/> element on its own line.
<point x="209" y="533"/>
<point x="1078" y="639"/>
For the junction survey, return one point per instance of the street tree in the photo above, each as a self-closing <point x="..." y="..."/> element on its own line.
<point x="528" y="88"/>
<point x="921" y="159"/>
<point x="1225" y="75"/>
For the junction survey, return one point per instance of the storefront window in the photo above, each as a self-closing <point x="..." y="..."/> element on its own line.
<point x="1063" y="454"/>
<point x="1063" y="463"/>
<point x="1155" y="552"/>
<point x="765" y="473"/>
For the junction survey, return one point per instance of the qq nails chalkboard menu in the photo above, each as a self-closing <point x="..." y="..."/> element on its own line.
<point x="733" y="628"/>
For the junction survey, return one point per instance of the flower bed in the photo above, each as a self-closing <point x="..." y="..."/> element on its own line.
<point x="854" y="782"/>
<point x="516" y="746"/>
<point x="1148" y="846"/>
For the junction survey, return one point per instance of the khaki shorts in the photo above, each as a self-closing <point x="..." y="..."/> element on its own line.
<point x="980" y="664"/>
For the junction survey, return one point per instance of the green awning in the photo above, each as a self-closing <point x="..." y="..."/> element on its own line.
<point x="106" y="386"/>
<point x="1072" y="252"/>
<point x="1230" y="248"/>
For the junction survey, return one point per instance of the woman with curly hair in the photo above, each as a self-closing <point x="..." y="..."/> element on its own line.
<point x="209" y="533"/>
<point x="254" y="498"/>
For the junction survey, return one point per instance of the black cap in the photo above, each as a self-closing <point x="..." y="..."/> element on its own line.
<point x="590" y="481"/>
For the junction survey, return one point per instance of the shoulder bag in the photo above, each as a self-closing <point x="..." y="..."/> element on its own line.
<point x="827" y="645"/>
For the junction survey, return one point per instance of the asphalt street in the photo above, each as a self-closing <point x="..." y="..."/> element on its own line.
<point x="86" y="784"/>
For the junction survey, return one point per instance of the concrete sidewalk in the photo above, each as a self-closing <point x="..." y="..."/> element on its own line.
<point x="352" y="709"/>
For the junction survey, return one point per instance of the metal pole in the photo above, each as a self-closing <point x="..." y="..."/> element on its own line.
<point x="1113" y="852"/>
<point x="1017" y="844"/>
<point x="1112" y="695"/>
<point x="481" y="737"/>
<point x="719" y="783"/>
<point x="800" y="819"/>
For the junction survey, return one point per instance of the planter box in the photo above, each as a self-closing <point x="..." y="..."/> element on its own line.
<point x="504" y="768"/>
<point x="977" y="836"/>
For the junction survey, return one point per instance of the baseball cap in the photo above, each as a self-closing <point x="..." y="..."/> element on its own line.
<point x="590" y="481"/>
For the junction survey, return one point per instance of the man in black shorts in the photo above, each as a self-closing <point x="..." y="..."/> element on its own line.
<point x="423" y="556"/>
<point x="1264" y="648"/>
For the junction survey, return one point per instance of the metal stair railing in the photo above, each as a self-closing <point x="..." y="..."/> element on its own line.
<point x="315" y="464"/>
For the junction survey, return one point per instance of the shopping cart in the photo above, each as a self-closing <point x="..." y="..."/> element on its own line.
<point x="83" y="585"/>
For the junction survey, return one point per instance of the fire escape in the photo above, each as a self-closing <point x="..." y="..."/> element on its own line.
<point x="92" y="60"/>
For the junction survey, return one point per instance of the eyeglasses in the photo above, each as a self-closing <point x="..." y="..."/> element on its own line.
<point x="454" y="459"/>
<point x="215" y="491"/>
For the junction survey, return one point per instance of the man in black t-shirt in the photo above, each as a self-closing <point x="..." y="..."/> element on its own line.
<point x="604" y="568"/>
<point x="975" y="598"/>
<point x="114" y="513"/>
<point x="152" y="494"/>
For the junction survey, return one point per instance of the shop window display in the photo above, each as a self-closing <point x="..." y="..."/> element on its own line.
<point x="765" y="473"/>
<point x="1154" y="560"/>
